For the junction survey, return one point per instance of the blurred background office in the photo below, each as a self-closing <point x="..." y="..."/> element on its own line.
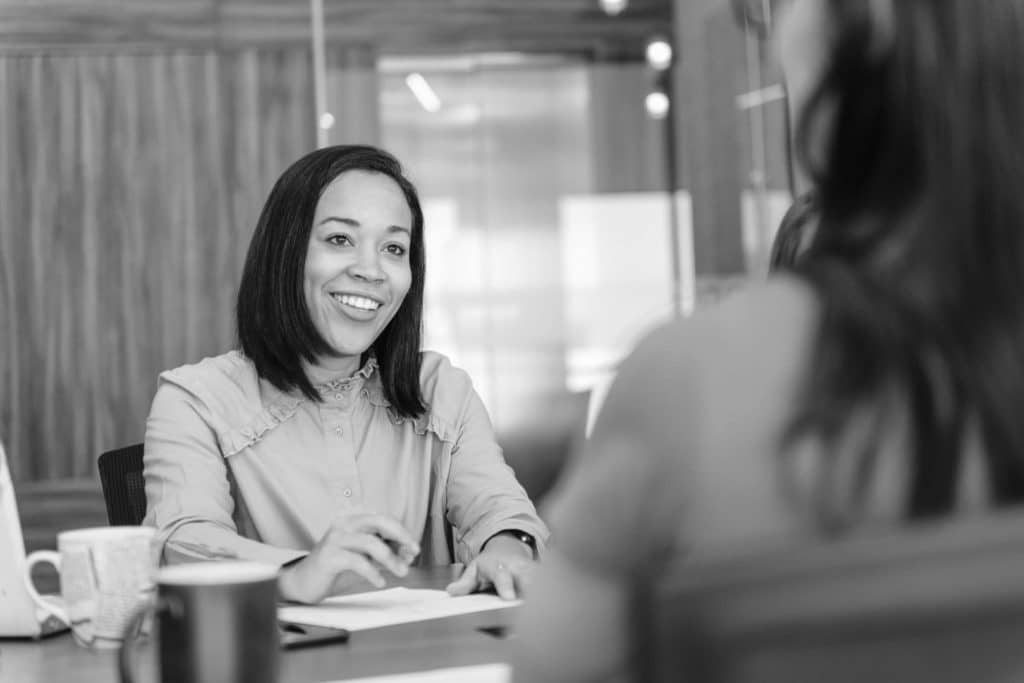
<point x="589" y="168"/>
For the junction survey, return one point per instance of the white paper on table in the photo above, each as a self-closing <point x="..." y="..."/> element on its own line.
<point x="388" y="607"/>
<point x="484" y="673"/>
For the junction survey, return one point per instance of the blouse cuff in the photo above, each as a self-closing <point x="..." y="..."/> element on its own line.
<point x="471" y="544"/>
<point x="174" y="551"/>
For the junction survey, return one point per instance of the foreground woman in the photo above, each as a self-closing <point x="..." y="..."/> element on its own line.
<point x="880" y="382"/>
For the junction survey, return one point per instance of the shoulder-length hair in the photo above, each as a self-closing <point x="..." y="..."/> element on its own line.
<point x="275" y="329"/>
<point x="912" y="141"/>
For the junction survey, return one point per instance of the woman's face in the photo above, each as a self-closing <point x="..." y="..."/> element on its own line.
<point x="357" y="262"/>
<point x="802" y="41"/>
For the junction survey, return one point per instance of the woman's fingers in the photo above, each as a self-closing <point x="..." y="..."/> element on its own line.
<point x="465" y="584"/>
<point x="523" y="575"/>
<point x="389" y="529"/>
<point x="503" y="582"/>
<point x="357" y="564"/>
<point x="373" y="547"/>
<point x="508" y="578"/>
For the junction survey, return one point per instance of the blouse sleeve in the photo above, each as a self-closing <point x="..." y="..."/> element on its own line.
<point x="483" y="494"/>
<point x="620" y="508"/>
<point x="188" y="491"/>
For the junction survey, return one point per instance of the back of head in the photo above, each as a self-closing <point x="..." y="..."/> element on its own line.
<point x="910" y="138"/>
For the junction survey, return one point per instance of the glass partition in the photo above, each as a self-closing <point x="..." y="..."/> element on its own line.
<point x="548" y="222"/>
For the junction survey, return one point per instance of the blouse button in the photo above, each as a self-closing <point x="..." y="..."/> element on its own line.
<point x="339" y="396"/>
<point x="339" y="431"/>
<point x="347" y="493"/>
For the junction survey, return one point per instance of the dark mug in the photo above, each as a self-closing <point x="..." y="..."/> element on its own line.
<point x="214" y="622"/>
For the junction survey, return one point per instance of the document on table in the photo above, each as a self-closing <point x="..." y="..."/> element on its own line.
<point x="387" y="607"/>
<point x="484" y="673"/>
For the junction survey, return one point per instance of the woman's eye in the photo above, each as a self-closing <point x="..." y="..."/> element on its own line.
<point x="395" y="249"/>
<point x="339" y="240"/>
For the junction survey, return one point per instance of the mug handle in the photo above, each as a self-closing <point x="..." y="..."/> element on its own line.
<point x="50" y="605"/>
<point x="132" y="632"/>
<point x="126" y="657"/>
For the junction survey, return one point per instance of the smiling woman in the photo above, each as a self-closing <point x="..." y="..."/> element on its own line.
<point x="329" y="443"/>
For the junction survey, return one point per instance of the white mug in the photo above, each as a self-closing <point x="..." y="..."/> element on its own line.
<point x="106" y="573"/>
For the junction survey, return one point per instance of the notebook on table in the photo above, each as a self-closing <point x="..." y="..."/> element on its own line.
<point x="19" y="615"/>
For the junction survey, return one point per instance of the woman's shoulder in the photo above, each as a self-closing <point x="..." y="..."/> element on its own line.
<point x="447" y="390"/>
<point x="229" y="372"/>
<point x="771" y="318"/>
<point x="440" y="379"/>
<point x="753" y="343"/>
<point x="225" y="386"/>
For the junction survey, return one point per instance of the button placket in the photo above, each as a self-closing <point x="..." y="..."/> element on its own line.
<point x="345" y="483"/>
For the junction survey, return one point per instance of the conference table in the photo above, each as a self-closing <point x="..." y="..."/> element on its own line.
<point x="463" y="640"/>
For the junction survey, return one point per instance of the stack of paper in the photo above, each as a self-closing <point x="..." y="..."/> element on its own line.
<point x="485" y="673"/>
<point x="387" y="607"/>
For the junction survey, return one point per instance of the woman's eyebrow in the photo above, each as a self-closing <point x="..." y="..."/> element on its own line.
<point x="352" y="222"/>
<point x="338" y="219"/>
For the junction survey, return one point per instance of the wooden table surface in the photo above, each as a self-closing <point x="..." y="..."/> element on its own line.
<point x="453" y="641"/>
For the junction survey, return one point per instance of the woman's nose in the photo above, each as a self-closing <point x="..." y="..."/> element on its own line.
<point x="367" y="266"/>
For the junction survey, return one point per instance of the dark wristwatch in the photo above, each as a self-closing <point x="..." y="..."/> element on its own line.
<point x="520" y="536"/>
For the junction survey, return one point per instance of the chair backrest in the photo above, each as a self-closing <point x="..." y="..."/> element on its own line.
<point x="123" y="485"/>
<point x="942" y="602"/>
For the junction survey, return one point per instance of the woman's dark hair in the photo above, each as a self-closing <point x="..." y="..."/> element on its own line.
<point x="275" y="329"/>
<point x="912" y="141"/>
<point x="793" y="235"/>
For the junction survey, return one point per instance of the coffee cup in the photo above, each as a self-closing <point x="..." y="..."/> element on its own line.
<point x="105" y="574"/>
<point x="215" y="622"/>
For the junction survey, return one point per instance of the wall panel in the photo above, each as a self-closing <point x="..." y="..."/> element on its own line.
<point x="129" y="187"/>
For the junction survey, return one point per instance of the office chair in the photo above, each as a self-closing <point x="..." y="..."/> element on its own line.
<point x="940" y="602"/>
<point x="123" y="486"/>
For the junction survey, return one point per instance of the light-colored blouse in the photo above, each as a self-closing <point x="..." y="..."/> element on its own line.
<point x="686" y="458"/>
<point x="236" y="468"/>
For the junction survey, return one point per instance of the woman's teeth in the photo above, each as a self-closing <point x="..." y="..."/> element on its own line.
<point x="360" y="302"/>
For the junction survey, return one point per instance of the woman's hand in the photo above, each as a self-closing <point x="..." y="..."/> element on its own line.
<point x="505" y="563"/>
<point x="355" y="547"/>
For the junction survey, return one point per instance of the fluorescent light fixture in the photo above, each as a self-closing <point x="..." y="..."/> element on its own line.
<point x="424" y="94"/>
<point x="757" y="98"/>
<point x="435" y="64"/>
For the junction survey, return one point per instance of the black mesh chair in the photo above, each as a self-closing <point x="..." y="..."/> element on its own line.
<point x="123" y="486"/>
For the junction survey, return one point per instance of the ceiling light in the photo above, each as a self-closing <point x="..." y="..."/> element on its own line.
<point x="659" y="54"/>
<point x="657" y="104"/>
<point x="613" y="7"/>
<point x="424" y="94"/>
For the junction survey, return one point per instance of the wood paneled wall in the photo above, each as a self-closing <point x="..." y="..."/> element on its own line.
<point x="129" y="187"/>
<point x="393" y="26"/>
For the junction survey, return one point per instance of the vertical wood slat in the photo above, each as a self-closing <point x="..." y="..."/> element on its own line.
<point x="130" y="186"/>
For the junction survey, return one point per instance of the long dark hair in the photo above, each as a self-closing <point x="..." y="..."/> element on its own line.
<point x="918" y="259"/>
<point x="275" y="329"/>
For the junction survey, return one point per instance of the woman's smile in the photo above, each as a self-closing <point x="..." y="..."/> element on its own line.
<point x="360" y="308"/>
